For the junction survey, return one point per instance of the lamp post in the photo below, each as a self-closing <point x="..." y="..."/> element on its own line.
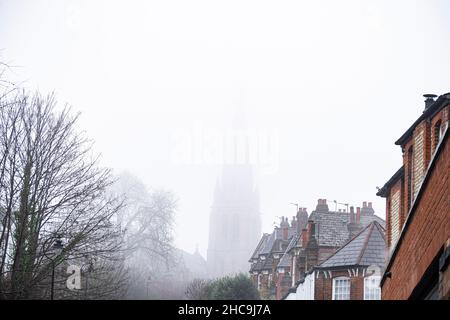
<point x="89" y="269"/>
<point x="56" y="249"/>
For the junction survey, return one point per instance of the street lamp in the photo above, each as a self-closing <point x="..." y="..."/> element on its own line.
<point x="56" y="250"/>
<point x="89" y="269"/>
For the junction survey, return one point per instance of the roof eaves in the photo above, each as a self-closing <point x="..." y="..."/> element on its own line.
<point x="385" y="189"/>
<point x="440" y="102"/>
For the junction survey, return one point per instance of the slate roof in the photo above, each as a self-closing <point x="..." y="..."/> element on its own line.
<point x="365" y="249"/>
<point x="332" y="227"/>
<point x="260" y="246"/>
<point x="285" y="260"/>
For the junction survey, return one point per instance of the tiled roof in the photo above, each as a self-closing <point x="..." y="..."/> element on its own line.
<point x="260" y="246"/>
<point x="285" y="260"/>
<point x="332" y="227"/>
<point x="366" y="248"/>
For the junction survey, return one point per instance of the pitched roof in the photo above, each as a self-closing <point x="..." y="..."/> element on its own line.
<point x="260" y="246"/>
<point x="285" y="260"/>
<point x="332" y="226"/>
<point x="365" y="249"/>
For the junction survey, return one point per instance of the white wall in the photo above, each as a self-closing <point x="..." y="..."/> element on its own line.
<point x="305" y="290"/>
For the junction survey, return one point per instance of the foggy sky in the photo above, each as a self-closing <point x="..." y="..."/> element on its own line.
<point x="339" y="81"/>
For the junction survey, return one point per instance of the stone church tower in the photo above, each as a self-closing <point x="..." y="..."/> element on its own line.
<point x="235" y="226"/>
<point x="235" y="222"/>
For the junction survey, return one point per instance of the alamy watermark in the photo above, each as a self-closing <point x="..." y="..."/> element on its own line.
<point x="201" y="145"/>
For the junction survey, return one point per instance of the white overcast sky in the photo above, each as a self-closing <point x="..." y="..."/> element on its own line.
<point x="339" y="81"/>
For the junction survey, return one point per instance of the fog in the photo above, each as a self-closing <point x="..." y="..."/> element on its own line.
<point x="329" y="85"/>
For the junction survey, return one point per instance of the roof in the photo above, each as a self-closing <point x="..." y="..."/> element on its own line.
<point x="260" y="246"/>
<point x="387" y="186"/>
<point x="285" y="260"/>
<point x="332" y="226"/>
<point x="365" y="249"/>
<point x="440" y="102"/>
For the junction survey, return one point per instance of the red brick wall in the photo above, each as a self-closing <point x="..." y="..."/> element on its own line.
<point x="323" y="287"/>
<point x="427" y="232"/>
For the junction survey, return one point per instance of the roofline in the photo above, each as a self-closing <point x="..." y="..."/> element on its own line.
<point x="387" y="186"/>
<point x="411" y="212"/>
<point x="348" y="241"/>
<point x="440" y="102"/>
<point x="263" y="237"/>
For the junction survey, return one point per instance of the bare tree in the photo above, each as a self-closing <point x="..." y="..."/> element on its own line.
<point x="146" y="220"/>
<point x="198" y="289"/>
<point x="50" y="185"/>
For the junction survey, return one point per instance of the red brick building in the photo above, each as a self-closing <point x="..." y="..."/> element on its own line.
<point x="418" y="209"/>
<point x="285" y="256"/>
<point x="353" y="272"/>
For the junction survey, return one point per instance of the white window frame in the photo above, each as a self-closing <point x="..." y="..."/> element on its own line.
<point x="371" y="295"/>
<point x="259" y="281"/>
<point x="335" y="280"/>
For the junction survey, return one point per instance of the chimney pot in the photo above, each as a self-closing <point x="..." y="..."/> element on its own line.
<point x="364" y="204"/>
<point x="429" y="100"/>
<point x="370" y="204"/>
<point x="352" y="210"/>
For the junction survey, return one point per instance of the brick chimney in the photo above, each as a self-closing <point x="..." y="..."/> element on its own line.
<point x="302" y="219"/>
<point x="322" y="205"/>
<point x="354" y="225"/>
<point x="358" y="215"/>
<point x="294" y="223"/>
<point x="284" y="225"/>
<point x="367" y="208"/>
<point x="352" y="215"/>
<point x="304" y="237"/>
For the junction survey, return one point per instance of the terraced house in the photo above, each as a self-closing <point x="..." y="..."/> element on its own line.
<point x="418" y="209"/>
<point x="351" y="273"/>
<point x="283" y="258"/>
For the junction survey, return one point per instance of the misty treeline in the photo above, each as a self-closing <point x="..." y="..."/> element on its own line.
<point x="236" y="287"/>
<point x="59" y="208"/>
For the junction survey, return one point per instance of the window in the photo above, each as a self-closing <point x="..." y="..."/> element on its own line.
<point x="341" y="288"/>
<point x="270" y="280"/>
<point x="259" y="281"/>
<point x="394" y="207"/>
<point x="372" y="290"/>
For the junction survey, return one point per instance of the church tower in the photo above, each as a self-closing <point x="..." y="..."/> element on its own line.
<point x="235" y="222"/>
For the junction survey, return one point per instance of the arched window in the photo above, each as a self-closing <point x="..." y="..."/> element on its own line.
<point x="341" y="288"/>
<point x="372" y="290"/>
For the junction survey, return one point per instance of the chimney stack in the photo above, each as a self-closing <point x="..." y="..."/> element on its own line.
<point x="304" y="237"/>
<point x="358" y="215"/>
<point x="284" y="225"/>
<point x="302" y="219"/>
<point x="352" y="215"/>
<point x="322" y="205"/>
<point x="429" y="100"/>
